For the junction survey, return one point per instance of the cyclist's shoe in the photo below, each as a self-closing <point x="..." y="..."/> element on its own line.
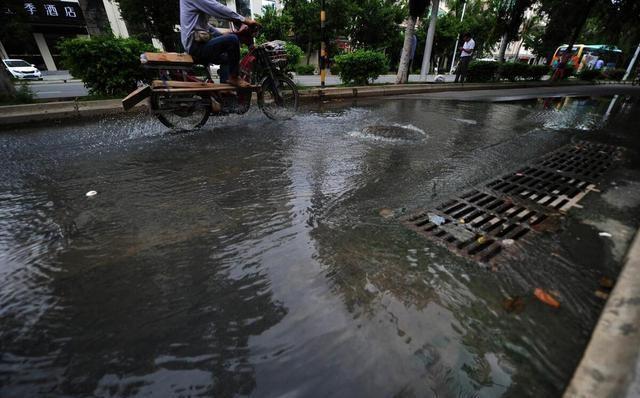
<point x="237" y="82"/>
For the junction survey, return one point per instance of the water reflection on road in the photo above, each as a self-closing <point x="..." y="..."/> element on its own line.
<point x="252" y="258"/>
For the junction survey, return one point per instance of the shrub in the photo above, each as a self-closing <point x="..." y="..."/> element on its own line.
<point x="482" y="71"/>
<point x="305" y="69"/>
<point x="107" y="65"/>
<point x="589" y="75"/>
<point x="24" y="95"/>
<point x="361" y="66"/>
<point x="513" y="71"/>
<point x="614" y="74"/>
<point x="537" y="71"/>
<point x="294" y="53"/>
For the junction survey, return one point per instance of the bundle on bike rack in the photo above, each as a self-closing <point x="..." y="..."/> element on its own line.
<point x="277" y="53"/>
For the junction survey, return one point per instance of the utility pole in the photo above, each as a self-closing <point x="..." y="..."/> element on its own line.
<point x="633" y="62"/>
<point x="428" y="46"/>
<point x="323" y="46"/>
<point x="455" y="48"/>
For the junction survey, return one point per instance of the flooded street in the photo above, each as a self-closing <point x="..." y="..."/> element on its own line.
<point x="268" y="259"/>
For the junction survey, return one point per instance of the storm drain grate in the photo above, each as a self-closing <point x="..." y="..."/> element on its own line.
<point x="476" y="225"/>
<point x="480" y="223"/>
<point x="543" y="187"/>
<point x="584" y="160"/>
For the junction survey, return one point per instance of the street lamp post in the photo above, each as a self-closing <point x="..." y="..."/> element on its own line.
<point x="323" y="46"/>
<point x="455" y="48"/>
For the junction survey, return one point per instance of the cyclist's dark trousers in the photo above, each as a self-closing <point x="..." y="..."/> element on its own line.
<point x="223" y="49"/>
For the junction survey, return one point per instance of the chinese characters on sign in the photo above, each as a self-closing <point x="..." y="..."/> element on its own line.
<point x="50" y="10"/>
<point x="30" y="8"/>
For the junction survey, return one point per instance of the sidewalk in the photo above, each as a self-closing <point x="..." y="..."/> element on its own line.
<point x="30" y="113"/>
<point x="610" y="366"/>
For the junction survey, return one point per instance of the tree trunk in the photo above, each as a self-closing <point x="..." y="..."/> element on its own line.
<point x="308" y="52"/>
<point x="428" y="45"/>
<point x="576" y="32"/>
<point x="405" y="58"/>
<point x="503" y="46"/>
<point x="7" y="90"/>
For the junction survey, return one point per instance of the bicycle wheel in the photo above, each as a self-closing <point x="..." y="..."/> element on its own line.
<point x="278" y="99"/>
<point x="181" y="111"/>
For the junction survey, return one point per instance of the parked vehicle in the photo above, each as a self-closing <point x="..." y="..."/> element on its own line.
<point x="21" y="69"/>
<point x="181" y="100"/>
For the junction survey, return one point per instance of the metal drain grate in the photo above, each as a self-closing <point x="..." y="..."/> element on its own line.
<point x="543" y="187"/>
<point x="481" y="223"/>
<point x="584" y="160"/>
<point x="476" y="224"/>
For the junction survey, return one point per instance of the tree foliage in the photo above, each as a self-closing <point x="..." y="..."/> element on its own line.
<point x="275" y="26"/>
<point x="147" y="18"/>
<point x="107" y="65"/>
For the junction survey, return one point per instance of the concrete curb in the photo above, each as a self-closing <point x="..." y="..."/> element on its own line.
<point x="29" y="113"/>
<point x="609" y="367"/>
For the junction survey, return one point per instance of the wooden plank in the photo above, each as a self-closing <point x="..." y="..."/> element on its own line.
<point x="135" y="97"/>
<point x="219" y="87"/>
<point x="178" y="84"/>
<point x="169" y="58"/>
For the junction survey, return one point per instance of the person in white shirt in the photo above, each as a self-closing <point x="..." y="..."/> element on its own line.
<point x="466" y="51"/>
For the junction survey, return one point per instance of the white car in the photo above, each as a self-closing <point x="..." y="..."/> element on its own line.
<point x="21" y="69"/>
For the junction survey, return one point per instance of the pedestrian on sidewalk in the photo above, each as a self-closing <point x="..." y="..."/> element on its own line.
<point x="466" y="52"/>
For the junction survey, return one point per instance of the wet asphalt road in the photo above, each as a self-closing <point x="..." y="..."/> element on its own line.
<point x="267" y="258"/>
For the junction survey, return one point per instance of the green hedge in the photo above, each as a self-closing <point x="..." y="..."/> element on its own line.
<point x="485" y="71"/>
<point x="361" y="66"/>
<point x="305" y="69"/>
<point x="614" y="74"/>
<point x="107" y="65"/>
<point x="294" y="53"/>
<point x="482" y="71"/>
<point x="589" y="74"/>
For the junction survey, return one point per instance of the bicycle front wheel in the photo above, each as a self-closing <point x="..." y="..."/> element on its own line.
<point x="278" y="98"/>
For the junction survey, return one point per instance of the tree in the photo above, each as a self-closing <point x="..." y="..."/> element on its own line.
<point x="375" y="23"/>
<point x="416" y="9"/>
<point x="155" y="18"/>
<point x="509" y="15"/>
<point x="274" y="25"/>
<point x="305" y="15"/>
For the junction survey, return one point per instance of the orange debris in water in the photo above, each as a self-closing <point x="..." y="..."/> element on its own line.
<point x="546" y="298"/>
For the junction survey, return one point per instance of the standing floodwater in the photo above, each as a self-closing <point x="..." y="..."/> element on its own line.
<point x="268" y="258"/>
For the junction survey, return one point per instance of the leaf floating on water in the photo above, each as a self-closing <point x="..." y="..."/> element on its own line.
<point x="513" y="304"/>
<point x="546" y="298"/>
<point x="461" y="221"/>
<point x="601" y="295"/>
<point x="481" y="240"/>
<point x="605" y="282"/>
<point x="386" y="213"/>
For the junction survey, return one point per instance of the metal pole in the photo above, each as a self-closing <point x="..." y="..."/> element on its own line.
<point x="323" y="46"/>
<point x="455" y="48"/>
<point x="428" y="46"/>
<point x="633" y="61"/>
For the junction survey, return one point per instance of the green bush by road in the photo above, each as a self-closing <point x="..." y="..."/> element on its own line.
<point x="485" y="71"/>
<point x="107" y="65"/>
<point x="361" y="66"/>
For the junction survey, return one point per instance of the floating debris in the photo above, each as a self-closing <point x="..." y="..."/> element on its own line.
<point x="546" y="298"/>
<point x="601" y="295"/>
<point x="436" y="219"/>
<point x="91" y="194"/>
<point x="513" y="304"/>
<point x="605" y="282"/>
<point x="386" y="212"/>
<point x="508" y="242"/>
<point x="605" y="234"/>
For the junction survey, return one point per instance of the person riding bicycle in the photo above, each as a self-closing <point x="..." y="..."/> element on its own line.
<point x="205" y="43"/>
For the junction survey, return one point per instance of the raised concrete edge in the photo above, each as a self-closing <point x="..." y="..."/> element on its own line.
<point x="608" y="368"/>
<point x="41" y="112"/>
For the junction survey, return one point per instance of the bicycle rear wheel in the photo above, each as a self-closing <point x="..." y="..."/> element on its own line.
<point x="181" y="111"/>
